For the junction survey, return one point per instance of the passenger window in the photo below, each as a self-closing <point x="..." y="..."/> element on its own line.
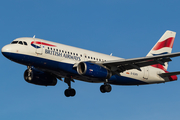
<point x="59" y="50"/>
<point x="25" y="43"/>
<point x="62" y="50"/>
<point x="14" y="42"/>
<point x="88" y="57"/>
<point x="76" y="54"/>
<point x="81" y="55"/>
<point x="20" y="42"/>
<point x="56" y="49"/>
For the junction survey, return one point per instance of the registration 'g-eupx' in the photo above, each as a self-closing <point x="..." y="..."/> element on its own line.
<point x="48" y="61"/>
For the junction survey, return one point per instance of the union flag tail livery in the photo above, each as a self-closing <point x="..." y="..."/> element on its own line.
<point x="164" y="45"/>
<point x="48" y="61"/>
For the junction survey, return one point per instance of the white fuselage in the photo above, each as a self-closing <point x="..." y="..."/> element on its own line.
<point x="52" y="55"/>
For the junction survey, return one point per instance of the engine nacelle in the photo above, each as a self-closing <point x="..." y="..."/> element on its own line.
<point x="39" y="78"/>
<point x="93" y="70"/>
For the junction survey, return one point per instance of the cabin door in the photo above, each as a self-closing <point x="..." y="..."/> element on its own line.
<point x="146" y="73"/>
<point x="38" y="46"/>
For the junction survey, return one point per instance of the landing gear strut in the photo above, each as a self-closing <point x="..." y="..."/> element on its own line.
<point x="28" y="74"/>
<point x="70" y="91"/>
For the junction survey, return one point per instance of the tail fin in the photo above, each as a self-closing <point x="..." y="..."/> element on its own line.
<point x="164" y="45"/>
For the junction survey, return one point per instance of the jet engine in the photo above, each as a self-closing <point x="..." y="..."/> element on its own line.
<point x="93" y="70"/>
<point x="39" y="78"/>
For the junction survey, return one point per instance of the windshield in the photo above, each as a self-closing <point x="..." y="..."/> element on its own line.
<point x="14" y="42"/>
<point x="19" y="42"/>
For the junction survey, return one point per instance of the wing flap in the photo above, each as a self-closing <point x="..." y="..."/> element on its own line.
<point x="143" y="63"/>
<point x="135" y="63"/>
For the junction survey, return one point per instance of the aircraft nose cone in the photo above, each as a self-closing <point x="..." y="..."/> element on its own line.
<point x="5" y="50"/>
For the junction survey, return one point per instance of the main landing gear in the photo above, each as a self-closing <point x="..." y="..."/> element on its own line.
<point x="106" y="87"/>
<point x="70" y="91"/>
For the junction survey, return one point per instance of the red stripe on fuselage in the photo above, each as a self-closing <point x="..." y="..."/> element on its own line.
<point x="166" y="43"/>
<point x="42" y="43"/>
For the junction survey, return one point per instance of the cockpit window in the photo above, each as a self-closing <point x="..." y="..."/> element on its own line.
<point x="25" y="43"/>
<point x="20" y="42"/>
<point x="14" y="42"/>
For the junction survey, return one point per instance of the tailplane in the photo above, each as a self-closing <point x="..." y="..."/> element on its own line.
<point x="171" y="75"/>
<point x="164" y="45"/>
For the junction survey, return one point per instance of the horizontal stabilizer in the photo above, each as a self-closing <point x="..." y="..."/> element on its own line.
<point x="169" y="74"/>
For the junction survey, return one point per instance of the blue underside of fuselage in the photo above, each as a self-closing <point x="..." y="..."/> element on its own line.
<point x="65" y="67"/>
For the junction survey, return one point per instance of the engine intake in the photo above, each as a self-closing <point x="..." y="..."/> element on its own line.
<point x="93" y="70"/>
<point x="39" y="78"/>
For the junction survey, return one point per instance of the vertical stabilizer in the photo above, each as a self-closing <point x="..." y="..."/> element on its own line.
<point x="164" y="45"/>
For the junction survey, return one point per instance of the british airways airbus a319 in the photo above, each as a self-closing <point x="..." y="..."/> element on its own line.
<point x="48" y="61"/>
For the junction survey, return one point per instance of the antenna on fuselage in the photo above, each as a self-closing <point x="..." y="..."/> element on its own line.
<point x="111" y="54"/>
<point x="34" y="36"/>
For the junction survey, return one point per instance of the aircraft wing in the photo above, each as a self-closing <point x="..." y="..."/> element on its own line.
<point x="136" y="63"/>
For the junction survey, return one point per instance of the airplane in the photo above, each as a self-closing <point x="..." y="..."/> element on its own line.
<point x="48" y="62"/>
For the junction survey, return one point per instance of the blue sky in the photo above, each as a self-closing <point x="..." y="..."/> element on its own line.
<point x="128" y="29"/>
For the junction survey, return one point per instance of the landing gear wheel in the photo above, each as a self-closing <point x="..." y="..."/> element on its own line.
<point x="28" y="75"/>
<point x="69" y="92"/>
<point x="102" y="89"/>
<point x="72" y="92"/>
<point x="105" y="88"/>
